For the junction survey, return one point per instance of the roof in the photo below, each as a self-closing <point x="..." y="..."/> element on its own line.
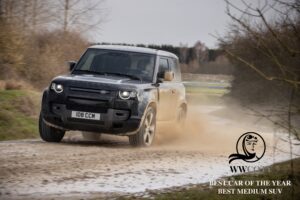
<point x="135" y="49"/>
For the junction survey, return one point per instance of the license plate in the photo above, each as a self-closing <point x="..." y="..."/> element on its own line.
<point x="85" y="115"/>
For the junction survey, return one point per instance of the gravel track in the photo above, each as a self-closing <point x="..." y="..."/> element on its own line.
<point x="76" y="169"/>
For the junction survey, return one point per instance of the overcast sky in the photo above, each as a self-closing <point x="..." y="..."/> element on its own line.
<point x="163" y="21"/>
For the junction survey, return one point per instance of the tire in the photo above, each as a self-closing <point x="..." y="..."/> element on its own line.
<point x="146" y="134"/>
<point x="48" y="133"/>
<point x="90" y="136"/>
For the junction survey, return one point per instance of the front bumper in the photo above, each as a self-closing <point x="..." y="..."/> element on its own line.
<point x="116" y="116"/>
<point x="112" y="122"/>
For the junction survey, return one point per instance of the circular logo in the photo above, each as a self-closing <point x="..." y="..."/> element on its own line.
<point x="250" y="147"/>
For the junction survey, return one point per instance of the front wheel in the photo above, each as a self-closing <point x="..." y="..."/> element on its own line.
<point x="145" y="136"/>
<point x="48" y="133"/>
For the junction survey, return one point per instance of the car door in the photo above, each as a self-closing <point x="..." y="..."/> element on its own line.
<point x="164" y="111"/>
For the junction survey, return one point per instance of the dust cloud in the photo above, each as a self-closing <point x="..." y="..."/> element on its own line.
<point x="209" y="128"/>
<point x="213" y="128"/>
<point x="201" y="131"/>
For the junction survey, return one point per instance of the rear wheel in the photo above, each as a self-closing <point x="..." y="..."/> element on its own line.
<point x="48" y="133"/>
<point x="145" y="136"/>
<point x="90" y="136"/>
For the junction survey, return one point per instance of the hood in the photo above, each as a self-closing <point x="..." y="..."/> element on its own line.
<point x="98" y="81"/>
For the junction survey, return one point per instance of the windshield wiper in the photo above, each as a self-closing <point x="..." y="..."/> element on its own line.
<point x="127" y="75"/>
<point x="108" y="73"/>
<point x="89" y="71"/>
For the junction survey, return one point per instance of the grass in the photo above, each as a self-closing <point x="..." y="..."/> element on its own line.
<point x="18" y="114"/>
<point x="205" y="92"/>
<point x="207" y="88"/>
<point x="280" y="171"/>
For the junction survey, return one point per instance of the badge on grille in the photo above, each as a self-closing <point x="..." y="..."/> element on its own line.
<point x="104" y="92"/>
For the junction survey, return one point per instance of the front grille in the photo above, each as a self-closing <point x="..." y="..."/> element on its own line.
<point x="88" y="105"/>
<point x="89" y="90"/>
<point x="89" y="99"/>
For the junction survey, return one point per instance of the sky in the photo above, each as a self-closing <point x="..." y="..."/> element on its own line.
<point x="163" y="22"/>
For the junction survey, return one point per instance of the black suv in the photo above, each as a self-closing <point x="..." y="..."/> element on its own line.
<point x="115" y="90"/>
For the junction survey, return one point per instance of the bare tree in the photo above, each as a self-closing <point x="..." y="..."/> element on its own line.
<point x="29" y="14"/>
<point x="264" y="43"/>
<point x="80" y="15"/>
<point x="70" y="15"/>
<point x="201" y="52"/>
<point x="287" y="19"/>
<point x="278" y="43"/>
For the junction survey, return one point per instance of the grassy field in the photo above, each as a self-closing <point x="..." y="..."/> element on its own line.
<point x="204" y="88"/>
<point x="18" y="114"/>
<point x="205" y="84"/>
<point x="199" y="92"/>
<point x="280" y="171"/>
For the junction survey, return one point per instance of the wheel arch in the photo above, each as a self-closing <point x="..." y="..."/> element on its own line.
<point x="153" y="104"/>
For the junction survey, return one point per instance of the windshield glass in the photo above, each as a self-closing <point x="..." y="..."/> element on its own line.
<point x="130" y="64"/>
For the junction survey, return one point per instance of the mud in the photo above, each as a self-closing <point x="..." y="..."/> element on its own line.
<point x="76" y="169"/>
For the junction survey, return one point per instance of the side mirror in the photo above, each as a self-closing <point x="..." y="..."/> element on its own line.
<point x="71" y="65"/>
<point x="168" y="76"/>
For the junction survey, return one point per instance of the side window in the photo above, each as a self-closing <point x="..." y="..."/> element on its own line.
<point x="163" y="66"/>
<point x="174" y="66"/>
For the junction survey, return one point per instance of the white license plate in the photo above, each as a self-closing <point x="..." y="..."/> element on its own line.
<point x="85" y="115"/>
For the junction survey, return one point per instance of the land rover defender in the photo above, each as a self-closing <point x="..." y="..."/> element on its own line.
<point x="118" y="90"/>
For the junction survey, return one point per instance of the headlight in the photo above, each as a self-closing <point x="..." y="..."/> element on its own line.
<point x="58" y="88"/>
<point x="127" y="94"/>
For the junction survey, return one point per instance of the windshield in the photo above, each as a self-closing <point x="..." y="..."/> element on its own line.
<point x="111" y="62"/>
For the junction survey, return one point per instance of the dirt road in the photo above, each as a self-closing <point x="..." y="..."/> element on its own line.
<point x="32" y="169"/>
